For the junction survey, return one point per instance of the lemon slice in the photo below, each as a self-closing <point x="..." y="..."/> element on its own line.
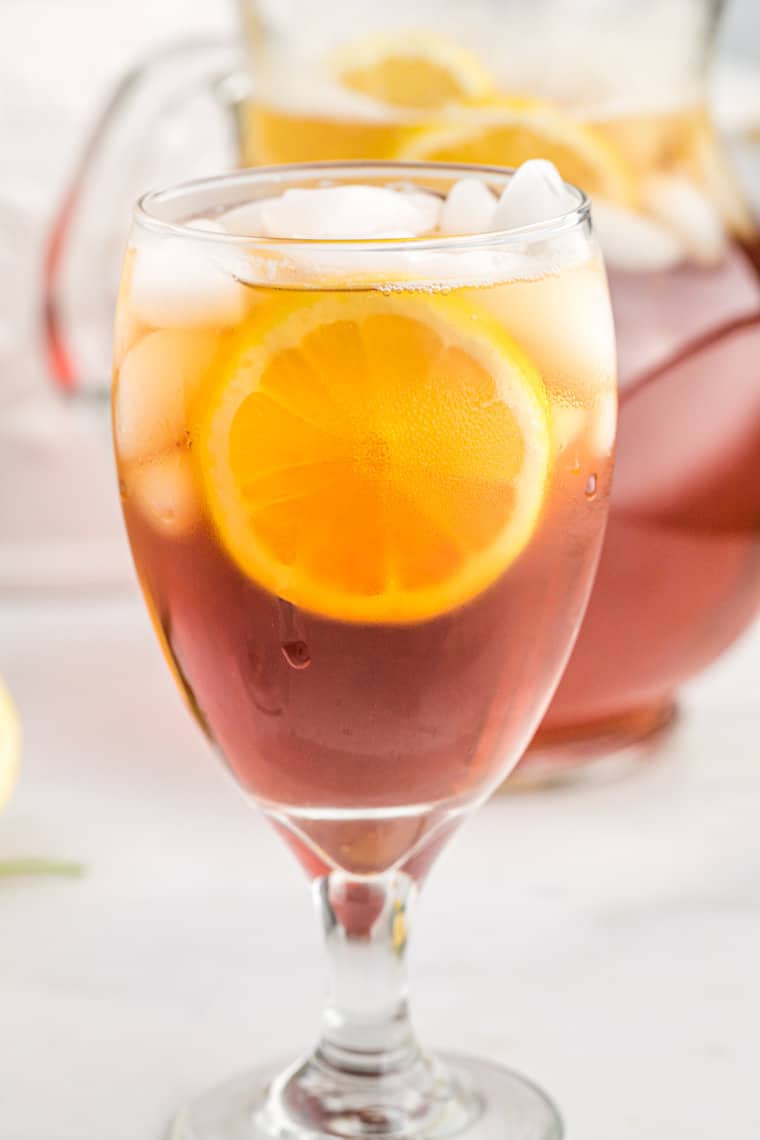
<point x="418" y="71"/>
<point x="10" y="755"/>
<point x="10" y="744"/>
<point x="275" y="136"/>
<point x="518" y="130"/>
<point x="374" y="458"/>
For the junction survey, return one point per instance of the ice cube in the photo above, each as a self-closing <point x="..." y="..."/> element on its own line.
<point x="164" y="491"/>
<point x="333" y="213"/>
<point x="468" y="209"/>
<point x="247" y="220"/>
<point x="429" y="207"/>
<point x="633" y="241"/>
<point x="209" y="225"/>
<point x="564" y="323"/>
<point x="688" y="213"/>
<point x="535" y="193"/>
<point x="569" y="422"/>
<point x="127" y="329"/>
<point x="158" y="378"/>
<point x="604" y="424"/>
<point x="370" y="212"/>
<point x="177" y="283"/>
<point x="596" y="420"/>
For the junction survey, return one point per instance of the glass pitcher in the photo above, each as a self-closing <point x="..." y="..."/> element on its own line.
<point x="614" y="92"/>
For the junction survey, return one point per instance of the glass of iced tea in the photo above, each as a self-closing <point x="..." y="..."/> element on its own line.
<point x="364" y="418"/>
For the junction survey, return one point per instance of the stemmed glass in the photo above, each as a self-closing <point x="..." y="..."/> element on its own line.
<point x="365" y="484"/>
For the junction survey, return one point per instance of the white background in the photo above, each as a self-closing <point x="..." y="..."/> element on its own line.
<point x="605" y="940"/>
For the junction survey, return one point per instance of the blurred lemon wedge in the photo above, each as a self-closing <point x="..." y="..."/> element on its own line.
<point x="415" y="71"/>
<point x="10" y="755"/>
<point x="10" y="744"/>
<point x="514" y="130"/>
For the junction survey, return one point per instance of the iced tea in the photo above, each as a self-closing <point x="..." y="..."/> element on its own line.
<point x="365" y="490"/>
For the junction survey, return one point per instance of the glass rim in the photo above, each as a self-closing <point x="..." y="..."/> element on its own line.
<point x="287" y="174"/>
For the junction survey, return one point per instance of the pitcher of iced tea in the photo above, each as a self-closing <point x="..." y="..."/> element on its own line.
<point x="613" y="91"/>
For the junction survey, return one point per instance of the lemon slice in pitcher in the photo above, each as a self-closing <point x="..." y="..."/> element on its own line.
<point x="374" y="459"/>
<point x="416" y="71"/>
<point x="518" y="130"/>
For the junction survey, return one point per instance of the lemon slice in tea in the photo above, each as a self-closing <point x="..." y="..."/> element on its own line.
<point x="374" y="458"/>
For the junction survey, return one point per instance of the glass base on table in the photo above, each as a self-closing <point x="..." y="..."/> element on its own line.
<point x="598" y="752"/>
<point x="453" y="1096"/>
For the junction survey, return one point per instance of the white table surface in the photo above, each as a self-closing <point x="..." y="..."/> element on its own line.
<point x="604" y="939"/>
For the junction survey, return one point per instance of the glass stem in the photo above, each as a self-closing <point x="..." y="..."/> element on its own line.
<point x="366" y="1026"/>
<point x="367" y="1079"/>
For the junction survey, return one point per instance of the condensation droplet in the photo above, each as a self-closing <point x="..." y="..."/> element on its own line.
<point x="591" y="485"/>
<point x="296" y="653"/>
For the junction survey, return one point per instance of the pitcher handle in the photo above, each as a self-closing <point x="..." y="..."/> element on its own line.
<point x="150" y="131"/>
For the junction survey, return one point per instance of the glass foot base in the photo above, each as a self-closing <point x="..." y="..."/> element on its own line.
<point x="470" y="1097"/>
<point x="599" y="752"/>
